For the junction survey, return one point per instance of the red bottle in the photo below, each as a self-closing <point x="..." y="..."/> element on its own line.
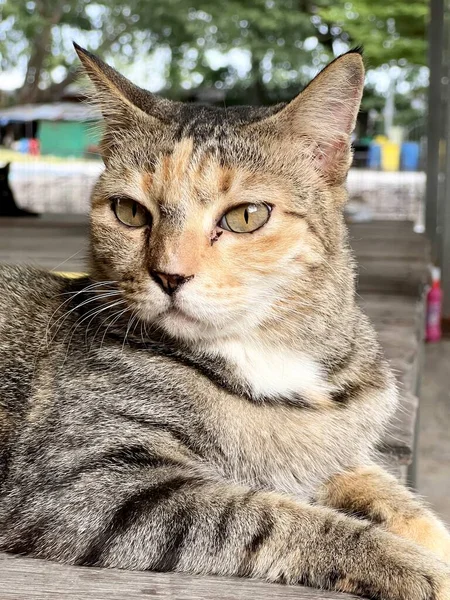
<point x="433" y="331"/>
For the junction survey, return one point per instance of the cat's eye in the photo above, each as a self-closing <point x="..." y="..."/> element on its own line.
<point x="245" y="218"/>
<point x="129" y="212"/>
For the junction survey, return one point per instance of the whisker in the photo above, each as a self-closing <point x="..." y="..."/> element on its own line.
<point x="97" y="310"/>
<point x="67" y="259"/>
<point x="88" y="288"/>
<point x="63" y="317"/>
<point x="112" y="323"/>
<point x="130" y="322"/>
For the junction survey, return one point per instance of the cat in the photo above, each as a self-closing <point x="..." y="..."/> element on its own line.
<point x="209" y="398"/>
<point x="8" y="206"/>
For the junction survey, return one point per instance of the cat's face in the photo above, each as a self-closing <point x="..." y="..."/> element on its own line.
<point x="214" y="222"/>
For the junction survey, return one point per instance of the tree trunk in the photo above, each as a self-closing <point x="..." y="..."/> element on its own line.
<point x="41" y="46"/>
<point x="258" y="93"/>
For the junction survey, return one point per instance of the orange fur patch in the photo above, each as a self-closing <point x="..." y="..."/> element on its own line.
<point x="226" y="177"/>
<point x="377" y="496"/>
<point x="181" y="157"/>
<point x="147" y="181"/>
<point x="425" y="531"/>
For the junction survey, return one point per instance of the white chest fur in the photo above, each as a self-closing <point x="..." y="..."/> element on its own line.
<point x="277" y="372"/>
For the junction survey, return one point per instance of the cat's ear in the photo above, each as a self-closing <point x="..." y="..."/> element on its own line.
<point x="324" y="115"/>
<point x="122" y="103"/>
<point x="116" y="95"/>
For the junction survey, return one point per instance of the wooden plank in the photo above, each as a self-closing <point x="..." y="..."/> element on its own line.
<point x="49" y="241"/>
<point x="398" y="320"/>
<point x="392" y="258"/>
<point x="31" y="579"/>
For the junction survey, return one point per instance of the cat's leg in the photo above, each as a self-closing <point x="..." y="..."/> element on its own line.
<point x="372" y="493"/>
<point x="168" y="520"/>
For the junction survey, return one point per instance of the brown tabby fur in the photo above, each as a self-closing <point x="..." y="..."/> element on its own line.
<point x="230" y="427"/>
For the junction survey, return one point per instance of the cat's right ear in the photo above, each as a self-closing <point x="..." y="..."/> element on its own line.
<point x="122" y="103"/>
<point x="322" y="117"/>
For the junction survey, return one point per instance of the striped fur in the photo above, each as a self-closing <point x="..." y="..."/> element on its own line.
<point x="230" y="427"/>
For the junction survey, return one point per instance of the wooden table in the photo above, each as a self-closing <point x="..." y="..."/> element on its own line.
<point x="392" y="271"/>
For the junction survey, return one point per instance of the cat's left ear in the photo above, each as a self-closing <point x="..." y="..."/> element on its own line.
<point x="117" y="96"/>
<point x="5" y="170"/>
<point x="323" y="116"/>
<point x="124" y="105"/>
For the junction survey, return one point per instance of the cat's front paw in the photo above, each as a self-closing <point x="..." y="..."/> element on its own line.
<point x="397" y="569"/>
<point x="406" y="584"/>
<point x="417" y="575"/>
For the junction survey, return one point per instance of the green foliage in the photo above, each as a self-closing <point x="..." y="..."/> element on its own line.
<point x="272" y="32"/>
<point x="390" y="30"/>
<point x="281" y="43"/>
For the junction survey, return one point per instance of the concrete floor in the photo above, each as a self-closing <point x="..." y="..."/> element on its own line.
<point x="434" y="436"/>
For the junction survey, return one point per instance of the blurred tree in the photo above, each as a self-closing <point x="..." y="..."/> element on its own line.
<point x="259" y="51"/>
<point x="390" y="30"/>
<point x="271" y="33"/>
<point x="37" y="34"/>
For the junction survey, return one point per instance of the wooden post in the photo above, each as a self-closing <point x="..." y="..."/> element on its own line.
<point x="444" y="212"/>
<point x="435" y="114"/>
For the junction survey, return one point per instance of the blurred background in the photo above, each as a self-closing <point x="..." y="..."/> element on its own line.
<point x="258" y="52"/>
<point x="234" y="52"/>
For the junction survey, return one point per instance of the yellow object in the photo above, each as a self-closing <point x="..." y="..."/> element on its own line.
<point x="69" y="274"/>
<point x="7" y="155"/>
<point x="380" y="139"/>
<point x="390" y="156"/>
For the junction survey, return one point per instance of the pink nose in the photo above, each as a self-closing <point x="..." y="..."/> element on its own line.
<point x="169" y="282"/>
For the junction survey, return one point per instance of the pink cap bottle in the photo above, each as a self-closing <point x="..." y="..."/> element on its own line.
<point x="433" y="331"/>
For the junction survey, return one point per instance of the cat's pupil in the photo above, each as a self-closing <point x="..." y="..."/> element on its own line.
<point x="246" y="215"/>
<point x="134" y="209"/>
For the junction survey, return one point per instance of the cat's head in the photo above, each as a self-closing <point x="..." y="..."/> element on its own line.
<point x="217" y="221"/>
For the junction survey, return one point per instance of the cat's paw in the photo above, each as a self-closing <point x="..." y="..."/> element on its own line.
<point x="417" y="575"/>
<point x="397" y="569"/>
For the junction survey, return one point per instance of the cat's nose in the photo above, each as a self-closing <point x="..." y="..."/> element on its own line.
<point x="169" y="282"/>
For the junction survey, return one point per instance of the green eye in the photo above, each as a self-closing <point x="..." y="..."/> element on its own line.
<point x="130" y="213"/>
<point x="245" y="218"/>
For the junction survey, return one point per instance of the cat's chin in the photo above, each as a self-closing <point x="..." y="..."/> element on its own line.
<point x="180" y="325"/>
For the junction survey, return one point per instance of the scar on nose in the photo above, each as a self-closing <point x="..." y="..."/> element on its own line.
<point x="216" y="236"/>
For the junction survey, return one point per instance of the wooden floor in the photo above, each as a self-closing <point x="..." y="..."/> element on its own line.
<point x="392" y="264"/>
<point x="52" y="241"/>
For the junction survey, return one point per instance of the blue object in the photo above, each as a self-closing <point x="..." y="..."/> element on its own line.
<point x="23" y="145"/>
<point x="374" y="157"/>
<point x="409" y="156"/>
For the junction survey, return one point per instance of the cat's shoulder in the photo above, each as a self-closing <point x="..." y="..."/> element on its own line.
<point x="27" y="289"/>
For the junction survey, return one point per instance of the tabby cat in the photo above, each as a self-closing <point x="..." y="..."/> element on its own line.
<point x="208" y="399"/>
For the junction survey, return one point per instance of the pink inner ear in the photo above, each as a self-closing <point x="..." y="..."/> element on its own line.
<point x="328" y="155"/>
<point x="343" y="113"/>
